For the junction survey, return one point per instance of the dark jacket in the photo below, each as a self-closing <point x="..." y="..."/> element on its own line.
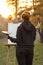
<point x="26" y="34"/>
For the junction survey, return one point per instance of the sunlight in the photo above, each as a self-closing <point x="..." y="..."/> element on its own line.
<point x="25" y="2"/>
<point x="5" y="11"/>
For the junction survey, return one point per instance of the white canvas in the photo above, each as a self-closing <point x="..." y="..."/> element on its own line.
<point x="12" y="29"/>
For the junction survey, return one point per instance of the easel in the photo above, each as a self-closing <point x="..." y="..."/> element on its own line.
<point x="8" y="52"/>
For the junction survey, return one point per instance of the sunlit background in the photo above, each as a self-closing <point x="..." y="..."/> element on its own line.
<point x="8" y="7"/>
<point x="6" y="10"/>
<point x="11" y="10"/>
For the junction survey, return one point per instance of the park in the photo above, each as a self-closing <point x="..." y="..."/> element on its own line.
<point x="10" y="12"/>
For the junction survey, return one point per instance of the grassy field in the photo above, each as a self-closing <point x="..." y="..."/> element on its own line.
<point x="38" y="54"/>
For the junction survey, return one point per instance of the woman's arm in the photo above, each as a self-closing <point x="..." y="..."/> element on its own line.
<point x="18" y="37"/>
<point x="12" y="39"/>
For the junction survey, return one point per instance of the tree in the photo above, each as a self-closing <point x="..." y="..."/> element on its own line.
<point x="39" y="10"/>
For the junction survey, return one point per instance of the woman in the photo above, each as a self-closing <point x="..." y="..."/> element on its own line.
<point x="25" y="37"/>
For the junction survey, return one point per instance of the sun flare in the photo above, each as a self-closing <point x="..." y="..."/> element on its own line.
<point x="5" y="11"/>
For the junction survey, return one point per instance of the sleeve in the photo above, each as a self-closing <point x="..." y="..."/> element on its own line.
<point x="34" y="34"/>
<point x="18" y="37"/>
<point x="12" y="39"/>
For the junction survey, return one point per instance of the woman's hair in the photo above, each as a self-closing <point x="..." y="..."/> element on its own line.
<point x="26" y="15"/>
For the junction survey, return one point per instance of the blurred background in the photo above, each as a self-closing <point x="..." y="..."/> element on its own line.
<point x="10" y="11"/>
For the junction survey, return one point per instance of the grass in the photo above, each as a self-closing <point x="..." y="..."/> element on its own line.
<point x="38" y="54"/>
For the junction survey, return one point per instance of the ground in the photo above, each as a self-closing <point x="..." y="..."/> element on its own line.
<point x="38" y="53"/>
